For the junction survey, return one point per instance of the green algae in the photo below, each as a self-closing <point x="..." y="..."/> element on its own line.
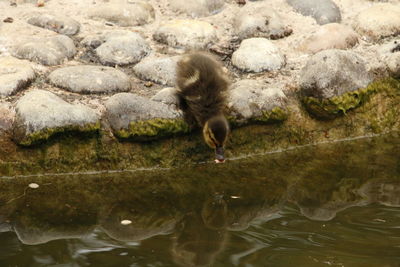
<point x="277" y="114"/>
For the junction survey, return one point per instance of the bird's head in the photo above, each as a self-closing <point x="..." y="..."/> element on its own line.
<point x="215" y="133"/>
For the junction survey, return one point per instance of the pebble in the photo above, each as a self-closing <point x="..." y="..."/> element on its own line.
<point x="332" y="73"/>
<point x="7" y="115"/>
<point x="90" y="79"/>
<point x="378" y="21"/>
<point x="118" y="47"/>
<point x="166" y="96"/>
<point x="197" y="8"/>
<point x="15" y="75"/>
<point x="389" y="53"/>
<point x="56" y="23"/>
<point x="46" y="50"/>
<point x="257" y="55"/>
<point x="157" y="69"/>
<point x="186" y="34"/>
<point x="323" y="11"/>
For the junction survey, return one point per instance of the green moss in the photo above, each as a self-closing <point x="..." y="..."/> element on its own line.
<point x="150" y="129"/>
<point x="42" y="135"/>
<point x="277" y="114"/>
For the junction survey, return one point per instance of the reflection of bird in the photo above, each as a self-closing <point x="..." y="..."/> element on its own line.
<point x="202" y="86"/>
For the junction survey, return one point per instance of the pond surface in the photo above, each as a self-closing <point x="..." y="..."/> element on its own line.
<point x="325" y="205"/>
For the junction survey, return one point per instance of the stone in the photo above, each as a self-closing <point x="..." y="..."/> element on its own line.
<point x="167" y="96"/>
<point x="15" y="75"/>
<point x="186" y="34"/>
<point x="48" y="51"/>
<point x="330" y="36"/>
<point x="389" y="54"/>
<point x="197" y="8"/>
<point x="252" y="100"/>
<point x="323" y="11"/>
<point x="60" y="24"/>
<point x="332" y="73"/>
<point x="90" y="79"/>
<point x="256" y="55"/>
<point x="136" y="117"/>
<point x="378" y="21"/>
<point x="6" y="117"/>
<point x="157" y="69"/>
<point x="118" y="47"/>
<point x="132" y="13"/>
<point x="259" y="20"/>
<point x="40" y="114"/>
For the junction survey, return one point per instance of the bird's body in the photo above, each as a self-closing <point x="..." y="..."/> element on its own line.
<point x="202" y="87"/>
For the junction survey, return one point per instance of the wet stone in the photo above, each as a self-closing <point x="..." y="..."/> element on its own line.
<point x="256" y="55"/>
<point x="137" y="117"/>
<point x="332" y="73"/>
<point x="49" y="51"/>
<point x="59" y="23"/>
<point x="389" y="53"/>
<point x="15" y="75"/>
<point x="90" y="79"/>
<point x="41" y="114"/>
<point x="259" y="20"/>
<point x="158" y="70"/>
<point x="118" y="47"/>
<point x="188" y="34"/>
<point x="330" y="36"/>
<point x="133" y="13"/>
<point x="166" y="96"/>
<point x="323" y="11"/>
<point x="197" y="8"/>
<point x="251" y="100"/>
<point x="379" y="21"/>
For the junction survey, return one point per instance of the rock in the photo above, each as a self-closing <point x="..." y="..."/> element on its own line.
<point x="41" y="114"/>
<point x="389" y="53"/>
<point x="330" y="36"/>
<point x="6" y="117"/>
<point x="323" y="11"/>
<point x="118" y="47"/>
<point x="379" y="21"/>
<point x="90" y="79"/>
<point x="188" y="34"/>
<point x="15" y="75"/>
<point x="251" y="100"/>
<point x="59" y="23"/>
<point x="197" y="8"/>
<point x="133" y="13"/>
<point x="136" y="117"/>
<point x="47" y="50"/>
<point x="259" y="20"/>
<point x="166" y="96"/>
<point x="158" y="70"/>
<point x="256" y="55"/>
<point x="334" y="81"/>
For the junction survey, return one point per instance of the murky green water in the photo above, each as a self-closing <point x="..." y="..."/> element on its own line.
<point x="326" y="205"/>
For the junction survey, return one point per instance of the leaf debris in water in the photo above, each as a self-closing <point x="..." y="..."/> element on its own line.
<point x="33" y="185"/>
<point x="126" y="222"/>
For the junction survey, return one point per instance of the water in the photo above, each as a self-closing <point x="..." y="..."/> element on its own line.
<point x="325" y="205"/>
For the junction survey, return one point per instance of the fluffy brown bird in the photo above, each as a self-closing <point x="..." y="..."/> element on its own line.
<point x="202" y="87"/>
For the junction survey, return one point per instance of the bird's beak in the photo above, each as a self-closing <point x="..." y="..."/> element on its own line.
<point x="219" y="154"/>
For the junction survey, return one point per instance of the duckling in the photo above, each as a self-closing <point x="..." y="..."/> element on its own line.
<point x="202" y="87"/>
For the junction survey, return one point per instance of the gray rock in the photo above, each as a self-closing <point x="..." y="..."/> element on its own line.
<point x="118" y="47"/>
<point x="159" y="70"/>
<point x="332" y="73"/>
<point x="133" y="13"/>
<point x="134" y="116"/>
<point x="256" y="55"/>
<point x="47" y="50"/>
<point x="251" y="100"/>
<point x="323" y="11"/>
<point x="259" y="20"/>
<point x="188" y="34"/>
<point x="166" y="96"/>
<point x="59" y="23"/>
<point x="90" y="79"/>
<point x="197" y="8"/>
<point x="40" y="114"/>
<point x="330" y="36"/>
<point x="7" y="115"/>
<point x="379" y="21"/>
<point x="389" y="53"/>
<point x="14" y="75"/>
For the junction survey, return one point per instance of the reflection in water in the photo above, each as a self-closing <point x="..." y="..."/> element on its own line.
<point x="334" y="204"/>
